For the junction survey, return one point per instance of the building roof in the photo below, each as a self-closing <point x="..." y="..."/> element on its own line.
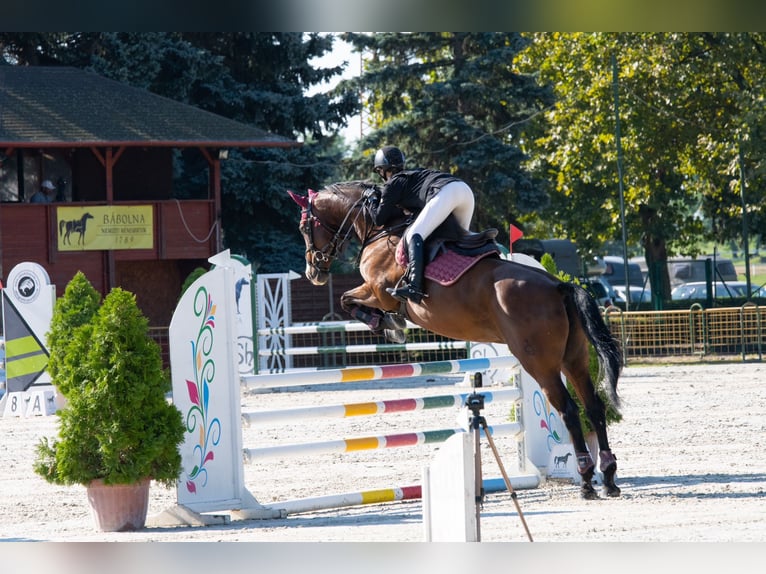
<point x="68" y="107"/>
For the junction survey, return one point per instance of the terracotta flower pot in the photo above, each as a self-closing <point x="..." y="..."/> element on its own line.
<point x="119" y="507"/>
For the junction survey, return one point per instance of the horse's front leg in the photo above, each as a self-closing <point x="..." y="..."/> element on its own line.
<point x="362" y="304"/>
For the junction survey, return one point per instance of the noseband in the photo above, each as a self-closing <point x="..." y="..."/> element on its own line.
<point x="321" y="259"/>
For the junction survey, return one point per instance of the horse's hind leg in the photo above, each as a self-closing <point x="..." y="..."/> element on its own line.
<point x="595" y="409"/>
<point x="596" y="412"/>
<point x="585" y="464"/>
<point x="560" y="399"/>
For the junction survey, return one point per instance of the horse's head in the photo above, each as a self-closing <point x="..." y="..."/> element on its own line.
<point x="328" y="219"/>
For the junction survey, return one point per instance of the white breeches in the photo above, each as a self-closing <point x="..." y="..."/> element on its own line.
<point x="455" y="197"/>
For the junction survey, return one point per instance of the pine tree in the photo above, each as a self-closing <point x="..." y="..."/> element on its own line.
<point x="454" y="101"/>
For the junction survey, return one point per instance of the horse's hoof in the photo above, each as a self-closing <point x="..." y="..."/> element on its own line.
<point x="587" y="492"/>
<point x="394" y="321"/>
<point x="612" y="490"/>
<point x="398" y="321"/>
<point x="395" y="336"/>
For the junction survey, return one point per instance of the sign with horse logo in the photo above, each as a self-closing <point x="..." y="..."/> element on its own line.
<point x="105" y="227"/>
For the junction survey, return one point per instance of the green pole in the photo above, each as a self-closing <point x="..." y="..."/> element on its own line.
<point x="745" y="239"/>
<point x="618" y="142"/>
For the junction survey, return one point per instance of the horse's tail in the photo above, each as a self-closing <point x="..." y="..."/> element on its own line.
<point x="62" y="223"/>
<point x="606" y="346"/>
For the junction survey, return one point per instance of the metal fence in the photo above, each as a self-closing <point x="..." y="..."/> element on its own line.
<point x="736" y="333"/>
<point x="332" y="353"/>
<point x="731" y="332"/>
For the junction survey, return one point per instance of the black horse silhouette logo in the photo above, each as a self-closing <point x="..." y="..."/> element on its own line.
<point x="68" y="227"/>
<point x="559" y="460"/>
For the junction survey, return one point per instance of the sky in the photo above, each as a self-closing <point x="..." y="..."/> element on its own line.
<point x="342" y="52"/>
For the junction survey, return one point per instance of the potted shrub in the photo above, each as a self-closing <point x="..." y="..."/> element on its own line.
<point x="76" y="308"/>
<point x="117" y="431"/>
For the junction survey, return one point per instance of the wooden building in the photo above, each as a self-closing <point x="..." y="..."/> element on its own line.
<point x="109" y="150"/>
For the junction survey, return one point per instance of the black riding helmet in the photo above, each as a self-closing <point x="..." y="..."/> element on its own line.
<point x="388" y="157"/>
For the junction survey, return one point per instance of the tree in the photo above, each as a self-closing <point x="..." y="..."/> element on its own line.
<point x="454" y="101"/>
<point x="255" y="78"/>
<point x="683" y="100"/>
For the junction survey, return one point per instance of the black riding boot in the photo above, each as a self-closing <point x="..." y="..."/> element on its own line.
<point x="413" y="290"/>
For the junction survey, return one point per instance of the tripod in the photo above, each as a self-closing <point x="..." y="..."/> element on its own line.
<point x="475" y="403"/>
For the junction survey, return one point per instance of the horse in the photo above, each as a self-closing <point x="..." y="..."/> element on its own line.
<point x="548" y="324"/>
<point x="67" y="227"/>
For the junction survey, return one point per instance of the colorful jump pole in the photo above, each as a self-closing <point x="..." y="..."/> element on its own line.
<point x="370" y="443"/>
<point x="357" y="374"/>
<point x="374" y="407"/>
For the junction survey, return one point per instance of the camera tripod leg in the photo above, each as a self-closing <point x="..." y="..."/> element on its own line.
<point x="502" y="471"/>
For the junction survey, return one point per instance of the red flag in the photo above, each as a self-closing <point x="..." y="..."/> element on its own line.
<point x="516" y="233"/>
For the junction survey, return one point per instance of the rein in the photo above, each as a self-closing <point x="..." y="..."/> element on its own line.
<point x="386" y="232"/>
<point x="329" y="252"/>
<point x="323" y="258"/>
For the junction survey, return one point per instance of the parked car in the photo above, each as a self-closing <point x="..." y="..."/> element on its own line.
<point x="687" y="270"/>
<point x="614" y="271"/>
<point x="684" y="270"/>
<point x="698" y="290"/>
<point x="563" y="251"/>
<point x="600" y="289"/>
<point x="637" y="294"/>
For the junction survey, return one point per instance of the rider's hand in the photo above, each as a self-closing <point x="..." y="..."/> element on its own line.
<point x="372" y="195"/>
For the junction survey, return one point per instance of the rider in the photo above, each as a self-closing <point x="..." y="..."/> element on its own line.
<point x="432" y="194"/>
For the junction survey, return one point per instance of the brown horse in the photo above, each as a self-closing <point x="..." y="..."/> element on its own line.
<point x="547" y="324"/>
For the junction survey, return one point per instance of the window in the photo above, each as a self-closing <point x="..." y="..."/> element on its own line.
<point x="22" y="172"/>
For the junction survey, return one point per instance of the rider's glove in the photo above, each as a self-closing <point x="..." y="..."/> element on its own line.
<point x="372" y="195"/>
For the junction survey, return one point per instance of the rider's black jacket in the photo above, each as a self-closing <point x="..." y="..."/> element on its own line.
<point x="409" y="190"/>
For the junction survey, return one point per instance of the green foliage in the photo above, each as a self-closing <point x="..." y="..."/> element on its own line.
<point x="72" y="312"/>
<point x="687" y="103"/>
<point x="549" y="263"/>
<point x="527" y="119"/>
<point x="453" y="101"/>
<point x="117" y="425"/>
<point x="612" y="414"/>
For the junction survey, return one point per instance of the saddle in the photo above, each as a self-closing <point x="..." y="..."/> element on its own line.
<point x="471" y="244"/>
<point x="447" y="259"/>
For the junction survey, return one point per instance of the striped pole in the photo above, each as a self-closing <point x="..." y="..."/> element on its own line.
<point x="374" y="348"/>
<point x="375" y="407"/>
<point x="371" y="443"/>
<point x="356" y="374"/>
<point x="349" y="499"/>
<point x="395" y="494"/>
<point x="323" y="327"/>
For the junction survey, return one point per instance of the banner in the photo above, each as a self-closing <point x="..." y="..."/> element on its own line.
<point x="28" y="300"/>
<point x="25" y="355"/>
<point x="106" y="227"/>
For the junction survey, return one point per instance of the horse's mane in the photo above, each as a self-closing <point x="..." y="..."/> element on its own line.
<point x="350" y="190"/>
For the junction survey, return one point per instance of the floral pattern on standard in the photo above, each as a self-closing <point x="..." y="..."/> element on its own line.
<point x="548" y="418"/>
<point x="198" y="417"/>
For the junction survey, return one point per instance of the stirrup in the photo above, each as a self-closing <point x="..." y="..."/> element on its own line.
<point x="407" y="292"/>
<point x="391" y="291"/>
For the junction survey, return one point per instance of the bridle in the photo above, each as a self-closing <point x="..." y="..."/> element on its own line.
<point x="321" y="259"/>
